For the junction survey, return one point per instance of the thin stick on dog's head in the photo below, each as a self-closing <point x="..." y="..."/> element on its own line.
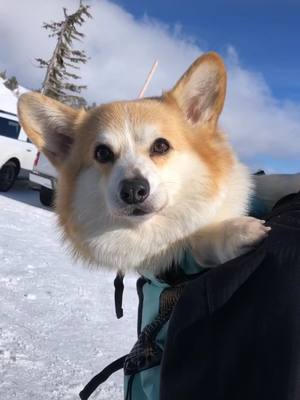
<point x="148" y="79"/>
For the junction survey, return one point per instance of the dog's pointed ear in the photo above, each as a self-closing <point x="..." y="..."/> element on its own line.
<point x="49" y="124"/>
<point x="200" y="92"/>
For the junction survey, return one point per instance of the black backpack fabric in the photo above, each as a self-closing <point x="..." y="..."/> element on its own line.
<point x="235" y="331"/>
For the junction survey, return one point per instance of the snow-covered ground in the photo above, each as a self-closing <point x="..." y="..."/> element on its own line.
<point x="57" y="321"/>
<point x="8" y="98"/>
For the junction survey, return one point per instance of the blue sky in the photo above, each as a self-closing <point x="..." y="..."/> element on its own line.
<point x="265" y="33"/>
<point x="259" y="41"/>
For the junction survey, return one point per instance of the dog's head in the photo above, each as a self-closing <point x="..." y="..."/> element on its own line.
<point x="137" y="178"/>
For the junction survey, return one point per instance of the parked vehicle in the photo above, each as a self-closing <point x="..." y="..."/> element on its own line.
<point x="44" y="175"/>
<point x="16" y="150"/>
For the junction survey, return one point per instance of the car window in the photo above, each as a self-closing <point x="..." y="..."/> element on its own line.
<point x="9" y="128"/>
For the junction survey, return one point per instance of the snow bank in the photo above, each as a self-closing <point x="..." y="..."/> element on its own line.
<point x="8" y="98"/>
<point x="57" y="326"/>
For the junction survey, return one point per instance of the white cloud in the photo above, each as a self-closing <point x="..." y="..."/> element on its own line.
<point x="258" y="123"/>
<point x="122" y="50"/>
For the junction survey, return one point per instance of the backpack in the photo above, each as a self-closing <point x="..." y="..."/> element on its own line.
<point x="226" y="333"/>
<point x="158" y="296"/>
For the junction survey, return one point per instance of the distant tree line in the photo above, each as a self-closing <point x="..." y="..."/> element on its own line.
<point x="11" y="83"/>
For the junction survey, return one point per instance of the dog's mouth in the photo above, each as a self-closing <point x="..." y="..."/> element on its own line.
<point x="144" y="212"/>
<point x="137" y="212"/>
<point x="141" y="213"/>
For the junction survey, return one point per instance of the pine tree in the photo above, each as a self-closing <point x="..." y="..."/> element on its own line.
<point x="59" y="75"/>
<point x="3" y="75"/>
<point x="11" y="83"/>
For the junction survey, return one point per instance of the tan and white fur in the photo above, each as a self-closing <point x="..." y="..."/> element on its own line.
<point x="198" y="192"/>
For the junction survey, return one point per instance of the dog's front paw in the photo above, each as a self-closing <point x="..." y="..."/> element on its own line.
<point x="244" y="233"/>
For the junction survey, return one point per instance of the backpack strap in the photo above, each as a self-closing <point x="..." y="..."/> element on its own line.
<point x="146" y="353"/>
<point x="118" y="364"/>
<point x="101" y="377"/>
<point x="139" y="288"/>
<point x="119" y="288"/>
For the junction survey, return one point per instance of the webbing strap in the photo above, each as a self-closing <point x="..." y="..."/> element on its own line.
<point x="101" y="377"/>
<point x="119" y="288"/>
<point x="146" y="353"/>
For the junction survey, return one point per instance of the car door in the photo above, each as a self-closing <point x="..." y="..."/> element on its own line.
<point x="28" y="151"/>
<point x="14" y="143"/>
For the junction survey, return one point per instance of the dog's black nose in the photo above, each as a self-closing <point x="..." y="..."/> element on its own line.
<point x="134" y="190"/>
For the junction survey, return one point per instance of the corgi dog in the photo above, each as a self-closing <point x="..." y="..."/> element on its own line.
<point x="143" y="181"/>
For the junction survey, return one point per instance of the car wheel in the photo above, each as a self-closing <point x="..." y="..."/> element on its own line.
<point x="8" y="175"/>
<point x="47" y="196"/>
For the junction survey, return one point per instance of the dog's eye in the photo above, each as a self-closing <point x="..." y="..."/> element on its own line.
<point x="160" y="146"/>
<point x="104" y="154"/>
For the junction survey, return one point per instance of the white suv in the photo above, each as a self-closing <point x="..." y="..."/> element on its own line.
<point x="16" y="150"/>
<point x="44" y="175"/>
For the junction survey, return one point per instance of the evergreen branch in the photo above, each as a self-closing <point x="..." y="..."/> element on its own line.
<point x="56" y="82"/>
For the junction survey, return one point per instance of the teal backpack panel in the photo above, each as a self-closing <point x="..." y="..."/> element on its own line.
<point x="145" y="385"/>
